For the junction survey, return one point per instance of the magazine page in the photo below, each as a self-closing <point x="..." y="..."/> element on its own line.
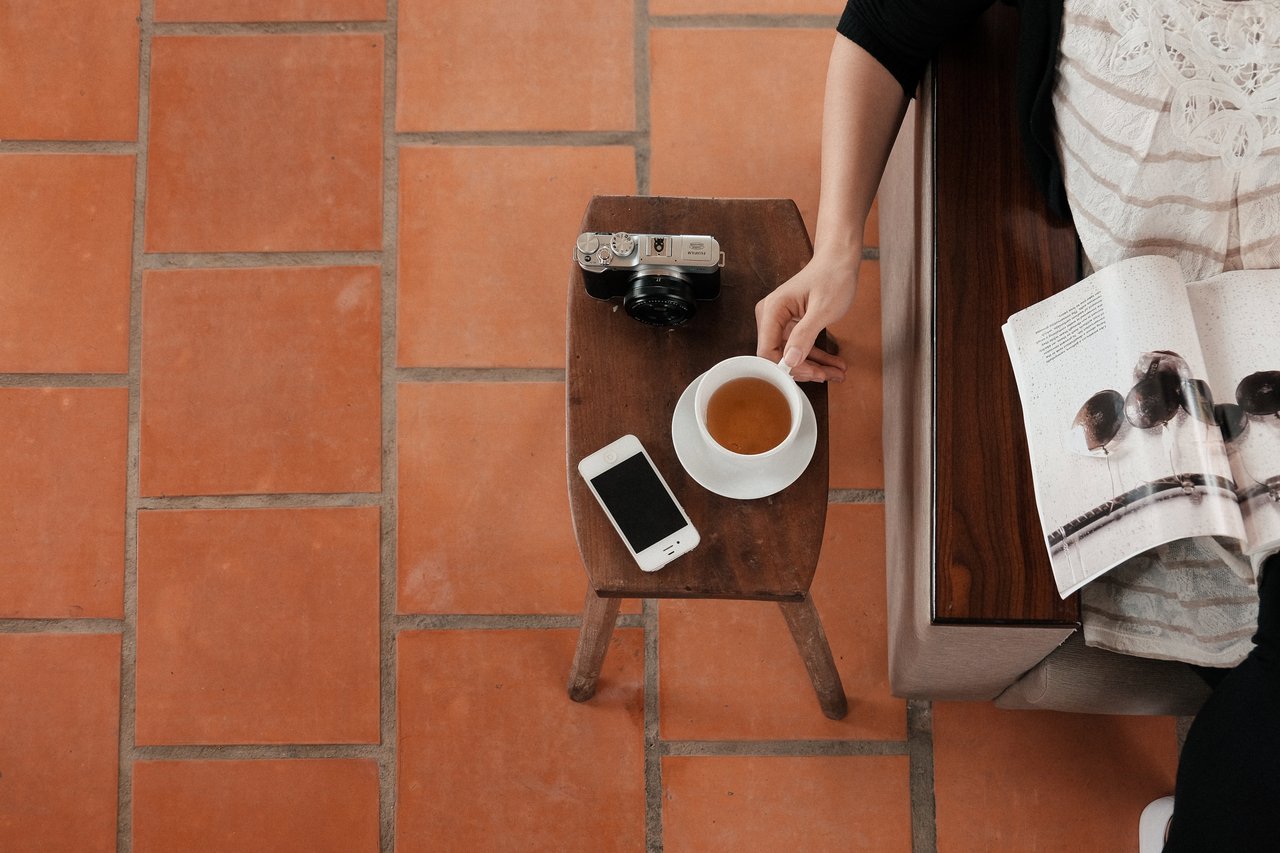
<point x="1235" y="314"/>
<point x="1125" y="451"/>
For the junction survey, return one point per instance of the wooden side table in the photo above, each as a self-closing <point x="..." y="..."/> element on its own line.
<point x="625" y="377"/>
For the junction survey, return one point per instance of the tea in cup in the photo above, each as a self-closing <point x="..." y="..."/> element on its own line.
<point x="747" y="409"/>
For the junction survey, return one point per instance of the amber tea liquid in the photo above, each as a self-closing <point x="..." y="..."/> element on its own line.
<point x="748" y="415"/>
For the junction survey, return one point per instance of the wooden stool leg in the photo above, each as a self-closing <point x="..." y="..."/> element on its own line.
<point x="598" y="618"/>
<point x="806" y="628"/>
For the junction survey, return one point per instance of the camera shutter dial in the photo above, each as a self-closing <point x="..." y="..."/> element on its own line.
<point x="588" y="243"/>
<point x="622" y="244"/>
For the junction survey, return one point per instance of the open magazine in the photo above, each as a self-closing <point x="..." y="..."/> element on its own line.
<point x="1152" y="408"/>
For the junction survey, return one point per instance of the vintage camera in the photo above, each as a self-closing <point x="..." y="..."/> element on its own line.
<point x="660" y="277"/>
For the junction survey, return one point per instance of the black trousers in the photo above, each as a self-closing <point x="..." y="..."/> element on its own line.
<point x="1227" y="798"/>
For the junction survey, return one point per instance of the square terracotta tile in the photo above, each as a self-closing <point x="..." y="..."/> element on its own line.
<point x="232" y="806"/>
<point x="484" y="521"/>
<point x="493" y="755"/>
<point x="856" y="406"/>
<point x="60" y="715"/>
<point x="771" y="150"/>
<point x="485" y="65"/>
<point x="747" y="7"/>
<point x="822" y="803"/>
<point x="730" y="669"/>
<point x="62" y="507"/>
<point x="274" y="10"/>
<point x="258" y="626"/>
<point x="265" y="143"/>
<point x="69" y="71"/>
<point x="65" y="262"/>
<point x="1045" y="781"/>
<point x="524" y="206"/>
<point x="258" y="381"/>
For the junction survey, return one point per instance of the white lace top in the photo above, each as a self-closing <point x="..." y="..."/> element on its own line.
<point x="1168" y="131"/>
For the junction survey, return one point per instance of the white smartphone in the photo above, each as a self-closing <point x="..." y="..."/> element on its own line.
<point x="639" y="503"/>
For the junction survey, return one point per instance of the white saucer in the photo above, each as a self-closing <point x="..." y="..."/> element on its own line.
<point x="721" y="476"/>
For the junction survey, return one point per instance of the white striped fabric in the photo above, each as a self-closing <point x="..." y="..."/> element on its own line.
<point x="1168" y="130"/>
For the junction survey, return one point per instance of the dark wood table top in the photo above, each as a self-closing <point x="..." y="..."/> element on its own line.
<point x="625" y="377"/>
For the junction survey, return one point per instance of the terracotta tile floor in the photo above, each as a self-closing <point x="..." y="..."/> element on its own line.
<point x="285" y="554"/>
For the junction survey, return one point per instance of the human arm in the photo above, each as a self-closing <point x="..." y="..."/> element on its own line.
<point x="862" y="109"/>
<point x="876" y="61"/>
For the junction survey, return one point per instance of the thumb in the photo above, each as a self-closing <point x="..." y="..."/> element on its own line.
<point x="801" y="341"/>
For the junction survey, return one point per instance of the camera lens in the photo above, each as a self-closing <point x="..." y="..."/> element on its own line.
<point x="659" y="299"/>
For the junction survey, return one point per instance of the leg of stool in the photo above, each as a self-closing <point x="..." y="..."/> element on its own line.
<point x="598" y="618"/>
<point x="806" y="628"/>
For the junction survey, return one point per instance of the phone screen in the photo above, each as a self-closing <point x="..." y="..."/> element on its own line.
<point x="638" y="502"/>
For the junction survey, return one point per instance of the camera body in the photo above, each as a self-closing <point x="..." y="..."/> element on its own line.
<point x="660" y="277"/>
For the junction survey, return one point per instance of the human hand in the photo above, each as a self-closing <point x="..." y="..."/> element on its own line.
<point x="789" y="319"/>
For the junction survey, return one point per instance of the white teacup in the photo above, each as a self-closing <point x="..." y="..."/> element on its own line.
<point x="746" y="367"/>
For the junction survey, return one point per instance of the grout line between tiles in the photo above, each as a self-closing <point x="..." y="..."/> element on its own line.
<point x="250" y="752"/>
<point x="479" y="374"/>
<point x="128" y="641"/>
<point x="652" y="731"/>
<point x="630" y="620"/>
<point x="744" y="21"/>
<point x="66" y="146"/>
<point x="498" y="621"/>
<point x="203" y="28"/>
<point x="526" y="138"/>
<point x="782" y="748"/>
<point x="924" y="830"/>
<point x="388" y="752"/>
<point x="644" y="124"/>
<point x="78" y="625"/>
<point x="855" y="496"/>
<point x="224" y="260"/>
<point x="281" y="501"/>
<point x="64" y="380"/>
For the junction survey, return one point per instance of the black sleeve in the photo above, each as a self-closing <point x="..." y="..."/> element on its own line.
<point x="1039" y="33"/>
<point x="903" y="35"/>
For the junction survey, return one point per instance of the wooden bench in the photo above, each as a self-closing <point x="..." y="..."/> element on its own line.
<point x="967" y="241"/>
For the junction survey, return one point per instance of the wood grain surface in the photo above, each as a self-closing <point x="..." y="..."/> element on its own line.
<point x="998" y="250"/>
<point x="625" y="377"/>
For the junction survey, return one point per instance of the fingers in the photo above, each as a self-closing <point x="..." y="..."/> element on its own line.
<point x="801" y="340"/>
<point x="813" y="371"/>
<point x="826" y="359"/>
<point x="776" y="326"/>
<point x="823" y="366"/>
<point x="819" y="366"/>
<point x="807" y="362"/>
<point x="774" y="320"/>
<point x="789" y="320"/>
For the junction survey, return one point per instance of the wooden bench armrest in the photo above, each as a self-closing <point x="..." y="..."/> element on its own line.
<point x="968" y="240"/>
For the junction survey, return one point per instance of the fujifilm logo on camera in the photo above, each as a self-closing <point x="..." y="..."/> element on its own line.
<point x="660" y="277"/>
